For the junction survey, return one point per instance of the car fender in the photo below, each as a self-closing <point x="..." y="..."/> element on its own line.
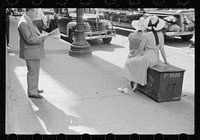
<point x="70" y="26"/>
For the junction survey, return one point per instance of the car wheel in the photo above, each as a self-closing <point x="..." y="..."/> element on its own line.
<point x="186" y="37"/>
<point x="71" y="36"/>
<point x="107" y="40"/>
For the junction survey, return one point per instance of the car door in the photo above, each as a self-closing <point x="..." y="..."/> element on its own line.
<point x="62" y="20"/>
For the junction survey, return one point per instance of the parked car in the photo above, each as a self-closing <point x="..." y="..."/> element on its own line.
<point x="177" y="23"/>
<point x="49" y="13"/>
<point x="95" y="25"/>
<point x="17" y="11"/>
<point x="121" y="17"/>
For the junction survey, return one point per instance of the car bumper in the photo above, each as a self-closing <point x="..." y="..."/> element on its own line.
<point x="179" y="33"/>
<point x="99" y="34"/>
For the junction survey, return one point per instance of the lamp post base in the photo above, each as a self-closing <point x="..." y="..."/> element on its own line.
<point x="83" y="51"/>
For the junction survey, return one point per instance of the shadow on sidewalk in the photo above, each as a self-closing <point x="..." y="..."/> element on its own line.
<point x="55" y="120"/>
<point x="23" y="115"/>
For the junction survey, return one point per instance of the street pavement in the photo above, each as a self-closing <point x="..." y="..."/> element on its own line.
<point x="81" y="97"/>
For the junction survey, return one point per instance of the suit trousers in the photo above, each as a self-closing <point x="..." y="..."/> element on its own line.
<point x="33" y="67"/>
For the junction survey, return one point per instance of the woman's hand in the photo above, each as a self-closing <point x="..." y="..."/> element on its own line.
<point x="132" y="51"/>
<point x="130" y="55"/>
<point x="167" y="63"/>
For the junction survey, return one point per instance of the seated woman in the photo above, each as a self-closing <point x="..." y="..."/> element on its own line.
<point x="147" y="55"/>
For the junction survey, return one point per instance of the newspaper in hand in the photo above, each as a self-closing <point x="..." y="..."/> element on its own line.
<point x="55" y="34"/>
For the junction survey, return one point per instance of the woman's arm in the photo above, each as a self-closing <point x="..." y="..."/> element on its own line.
<point x="129" y="39"/>
<point x="130" y="47"/>
<point x="162" y="50"/>
<point x="141" y="47"/>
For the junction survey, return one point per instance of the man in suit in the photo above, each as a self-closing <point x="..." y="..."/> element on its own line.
<point x="31" y="49"/>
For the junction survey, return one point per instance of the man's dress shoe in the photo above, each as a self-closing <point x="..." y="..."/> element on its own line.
<point x="40" y="91"/>
<point x="38" y="96"/>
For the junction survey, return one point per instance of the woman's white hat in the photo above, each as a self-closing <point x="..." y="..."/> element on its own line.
<point x="154" y="22"/>
<point x="138" y="24"/>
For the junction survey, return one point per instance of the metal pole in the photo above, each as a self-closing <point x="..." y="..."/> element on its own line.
<point x="80" y="47"/>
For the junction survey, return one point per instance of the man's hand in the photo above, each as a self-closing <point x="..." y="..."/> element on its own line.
<point x="44" y="36"/>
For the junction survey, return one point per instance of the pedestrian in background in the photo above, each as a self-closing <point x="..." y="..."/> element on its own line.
<point x="31" y="50"/>
<point x="147" y="55"/>
<point x="41" y="20"/>
<point x="8" y="13"/>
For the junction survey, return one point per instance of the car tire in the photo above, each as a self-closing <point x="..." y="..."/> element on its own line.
<point x="107" y="40"/>
<point x="186" y="37"/>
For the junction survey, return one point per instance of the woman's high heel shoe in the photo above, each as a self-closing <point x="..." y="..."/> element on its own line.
<point x="123" y="90"/>
<point x="135" y="85"/>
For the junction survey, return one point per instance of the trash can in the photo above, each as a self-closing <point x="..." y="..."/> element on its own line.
<point x="164" y="83"/>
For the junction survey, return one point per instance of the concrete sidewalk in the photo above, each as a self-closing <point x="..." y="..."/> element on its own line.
<point x="81" y="97"/>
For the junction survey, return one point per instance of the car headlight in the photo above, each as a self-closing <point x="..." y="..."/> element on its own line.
<point x="110" y="26"/>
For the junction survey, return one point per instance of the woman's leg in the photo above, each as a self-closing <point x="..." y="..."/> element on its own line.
<point x="125" y="86"/>
<point x="126" y="83"/>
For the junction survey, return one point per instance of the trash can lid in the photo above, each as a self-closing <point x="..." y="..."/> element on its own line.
<point x="161" y="67"/>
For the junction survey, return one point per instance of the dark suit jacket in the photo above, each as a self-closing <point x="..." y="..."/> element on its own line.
<point x="31" y="45"/>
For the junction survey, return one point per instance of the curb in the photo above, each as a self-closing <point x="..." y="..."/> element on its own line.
<point x="8" y="117"/>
